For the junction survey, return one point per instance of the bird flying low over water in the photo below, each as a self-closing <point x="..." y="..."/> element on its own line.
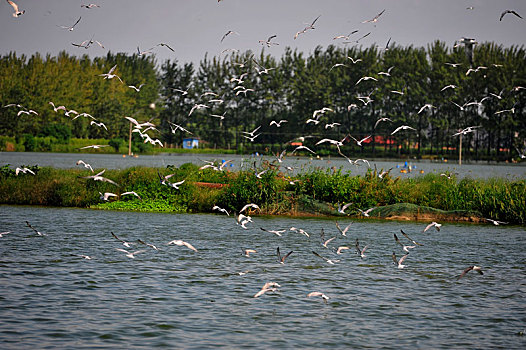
<point x="344" y="231"/>
<point x="433" y="224"/>
<point x="267" y="287"/>
<point x="360" y="251"/>
<point x="276" y="232"/>
<point x="147" y="244"/>
<point x="247" y="252"/>
<point x="34" y="229"/>
<point x="474" y="268"/>
<point x="129" y="254"/>
<point x="281" y="259"/>
<point x="318" y="294"/>
<point x="182" y="243"/>
<point x="405" y="248"/>
<point x="124" y="243"/>
<point x="399" y="262"/>
<point x="329" y="261"/>
<point x="409" y="238"/>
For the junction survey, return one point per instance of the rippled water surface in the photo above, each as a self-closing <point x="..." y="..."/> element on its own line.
<point x="51" y="297"/>
<point x="115" y="161"/>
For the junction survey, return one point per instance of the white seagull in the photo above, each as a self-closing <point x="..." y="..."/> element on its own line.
<point x="399" y="263"/>
<point x="329" y="261"/>
<point x="17" y="12"/>
<point x="23" y="170"/>
<point x="131" y="193"/>
<point x="433" y="224"/>
<point x="471" y="268"/>
<point x="360" y="251"/>
<point x="124" y="243"/>
<point x="318" y="294"/>
<point x="110" y="74"/>
<point x="281" y="259"/>
<point x="128" y="254"/>
<point x="344" y="231"/>
<point x="70" y="28"/>
<point x="215" y="207"/>
<point x="267" y="287"/>
<point x="106" y="195"/>
<point x="179" y="242"/>
<point x="276" y="232"/>
<point x="403" y="127"/>
<point x="405" y="248"/>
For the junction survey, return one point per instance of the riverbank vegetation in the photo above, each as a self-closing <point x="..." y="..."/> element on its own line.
<point x="491" y="97"/>
<point x="312" y="192"/>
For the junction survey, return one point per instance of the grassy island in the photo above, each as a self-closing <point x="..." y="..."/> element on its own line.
<point x="313" y="192"/>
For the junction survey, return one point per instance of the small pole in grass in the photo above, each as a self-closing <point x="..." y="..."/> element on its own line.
<point x="460" y="150"/>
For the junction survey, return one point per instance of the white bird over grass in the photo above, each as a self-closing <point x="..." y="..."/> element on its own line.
<point x="93" y="146"/>
<point x="181" y="243"/>
<point x="399" y="263"/>
<point x="366" y="212"/>
<point x="110" y="74"/>
<point x="359" y="142"/>
<point x="17" y="12"/>
<point x="56" y="109"/>
<point x="385" y="119"/>
<point x="342" y="208"/>
<point x="403" y="127"/>
<point x="426" y="106"/>
<point x="100" y="125"/>
<point x="364" y="79"/>
<point x="278" y="124"/>
<point x="354" y="61"/>
<point x="251" y="205"/>
<point x="98" y="177"/>
<point x="129" y="254"/>
<point x="302" y="147"/>
<point x="136" y="88"/>
<point x="23" y="170"/>
<point x="106" y="196"/>
<point x="131" y="193"/>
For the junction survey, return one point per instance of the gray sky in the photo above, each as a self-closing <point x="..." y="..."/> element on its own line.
<point x="195" y="27"/>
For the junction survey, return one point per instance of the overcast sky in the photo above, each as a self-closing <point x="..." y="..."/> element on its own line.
<point x="195" y="27"/>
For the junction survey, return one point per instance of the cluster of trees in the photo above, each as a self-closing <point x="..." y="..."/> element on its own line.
<point x="233" y="93"/>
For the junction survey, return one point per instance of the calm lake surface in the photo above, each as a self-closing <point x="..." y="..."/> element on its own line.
<point x="116" y="161"/>
<point x="176" y="298"/>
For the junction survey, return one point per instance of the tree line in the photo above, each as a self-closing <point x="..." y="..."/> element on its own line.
<point x="225" y="97"/>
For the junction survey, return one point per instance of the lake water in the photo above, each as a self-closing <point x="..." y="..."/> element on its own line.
<point x="115" y="161"/>
<point x="51" y="297"/>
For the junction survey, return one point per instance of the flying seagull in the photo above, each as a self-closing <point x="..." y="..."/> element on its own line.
<point x="132" y="193"/>
<point x="405" y="248"/>
<point x="70" y="28"/>
<point x="474" y="268"/>
<point x="281" y="259"/>
<point x="403" y="127"/>
<point x="17" y="12"/>
<point x="228" y="33"/>
<point x="89" y="6"/>
<point x="276" y="232"/>
<point x="409" y="238"/>
<point x="147" y="244"/>
<point x="124" y="243"/>
<point x="329" y="261"/>
<point x="246" y="252"/>
<point x="318" y="294"/>
<point x="98" y="177"/>
<point x="433" y="224"/>
<point x="110" y="74"/>
<point x="215" y="207"/>
<point x="508" y="11"/>
<point x="128" y="254"/>
<point x="182" y="243"/>
<point x="304" y="30"/>
<point x="360" y="251"/>
<point x="375" y="19"/>
<point x="23" y="170"/>
<point x="34" y="229"/>
<point x="268" y="42"/>
<point x="344" y="231"/>
<point x="106" y="195"/>
<point x="267" y="287"/>
<point x="399" y="263"/>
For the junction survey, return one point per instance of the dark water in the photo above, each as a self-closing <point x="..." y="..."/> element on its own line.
<point x="176" y="298"/>
<point x="115" y="161"/>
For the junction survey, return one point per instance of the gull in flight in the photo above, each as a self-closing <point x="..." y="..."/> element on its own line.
<point x="365" y="78"/>
<point x="339" y="251"/>
<point x="331" y="125"/>
<point x="338" y="65"/>
<point x="302" y="147"/>
<point x="56" y="109"/>
<point x="366" y="212"/>
<point x="403" y="127"/>
<point x="228" y="33"/>
<point x="124" y="243"/>
<point x="433" y="224"/>
<point x="427" y="105"/>
<point x="136" y="88"/>
<point x="174" y="127"/>
<point x="299" y="230"/>
<point x="110" y="74"/>
<point x="179" y="242"/>
<point x="98" y="177"/>
<point x="359" y="143"/>
<point x="17" y="12"/>
<point x="147" y="244"/>
<point x="106" y="195"/>
<point x="342" y="208"/>
<point x="360" y="251"/>
<point x="509" y="11"/>
<point x="409" y="238"/>
<point x="354" y="61"/>
<point x="89" y="6"/>
<point x="246" y="252"/>
<point x="454" y="65"/>
<point x="23" y="170"/>
<point x="251" y="133"/>
<point x="70" y="28"/>
<point x="251" y="138"/>
<point x="345" y="37"/>
<point x="381" y="120"/>
<point x="399" y="263"/>
<point x="34" y="229"/>
<point x="128" y="254"/>
<point x="26" y="112"/>
<point x="344" y="231"/>
<point x="2" y="234"/>
<point x="197" y="106"/>
<point x="466" y="130"/>
<point x="101" y="124"/>
<point x="471" y="268"/>
<point x="328" y="241"/>
<point x="268" y="42"/>
<point x="405" y="248"/>
<point x="318" y="294"/>
<point x="251" y="205"/>
<point x="131" y="193"/>
<point x="278" y="124"/>
<point x="388" y="73"/>
<point x="375" y="19"/>
<point x="329" y="261"/>
<point x="164" y="181"/>
<point x="450" y="86"/>
<point x="496" y="222"/>
<point x="276" y="232"/>
<point x="281" y="259"/>
<point x="215" y="207"/>
<point x="304" y="30"/>
<point x="267" y="287"/>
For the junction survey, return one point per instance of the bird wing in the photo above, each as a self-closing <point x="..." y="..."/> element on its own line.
<point x="397" y="240"/>
<point x="394" y="258"/>
<point x="409" y="238"/>
<point x="466" y="270"/>
<point x="319" y="256"/>
<point x="15" y="6"/>
<point x="286" y="256"/>
<point x="402" y="259"/>
<point x="117" y="238"/>
<point x="123" y="250"/>
<point x="188" y="245"/>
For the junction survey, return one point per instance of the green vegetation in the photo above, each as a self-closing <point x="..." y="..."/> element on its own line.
<point x="293" y="89"/>
<point x="314" y="192"/>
